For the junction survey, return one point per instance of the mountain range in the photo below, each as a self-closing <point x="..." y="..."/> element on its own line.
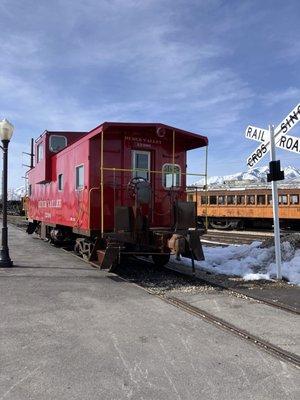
<point x="256" y="175"/>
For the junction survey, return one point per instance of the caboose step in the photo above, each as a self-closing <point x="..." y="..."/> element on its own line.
<point x="109" y="257"/>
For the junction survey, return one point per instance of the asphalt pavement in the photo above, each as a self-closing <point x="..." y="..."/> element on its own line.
<point x="69" y="331"/>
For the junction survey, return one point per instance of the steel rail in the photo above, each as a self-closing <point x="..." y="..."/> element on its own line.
<point x="219" y="322"/>
<point x="277" y="305"/>
<point x="259" y="299"/>
<point x="257" y="341"/>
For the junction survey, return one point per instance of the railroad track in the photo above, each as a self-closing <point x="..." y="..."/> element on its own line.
<point x="220" y="323"/>
<point x="186" y="273"/>
<point x="262" y="344"/>
<point x="278" y="305"/>
<point x="215" y="237"/>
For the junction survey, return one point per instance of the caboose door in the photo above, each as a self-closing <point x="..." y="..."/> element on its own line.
<point x="141" y="160"/>
<point x="142" y="165"/>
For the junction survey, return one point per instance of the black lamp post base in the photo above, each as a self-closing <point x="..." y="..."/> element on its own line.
<point x="5" y="261"/>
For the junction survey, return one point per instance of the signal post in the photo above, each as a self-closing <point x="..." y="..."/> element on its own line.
<point x="269" y="140"/>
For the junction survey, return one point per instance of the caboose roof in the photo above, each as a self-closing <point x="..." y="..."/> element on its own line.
<point x="188" y="140"/>
<point x="46" y="132"/>
<point x="185" y="139"/>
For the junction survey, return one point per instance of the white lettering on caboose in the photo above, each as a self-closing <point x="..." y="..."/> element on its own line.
<point x="49" y="203"/>
<point x="143" y="140"/>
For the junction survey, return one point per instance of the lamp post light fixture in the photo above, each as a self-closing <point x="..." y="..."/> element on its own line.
<point x="6" y="131"/>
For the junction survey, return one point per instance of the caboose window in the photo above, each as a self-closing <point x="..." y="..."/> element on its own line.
<point x="294" y="199"/>
<point x="79" y="177"/>
<point x="39" y="152"/>
<point x="141" y="164"/>
<point x="60" y="182"/>
<point x="171" y="175"/>
<point x="57" y="143"/>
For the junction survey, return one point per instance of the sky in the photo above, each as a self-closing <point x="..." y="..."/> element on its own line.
<point x="208" y="66"/>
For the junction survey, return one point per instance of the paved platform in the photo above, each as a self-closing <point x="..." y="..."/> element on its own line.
<point x="273" y="325"/>
<point x="71" y="332"/>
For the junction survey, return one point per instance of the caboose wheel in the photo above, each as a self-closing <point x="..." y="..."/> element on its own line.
<point x="77" y="248"/>
<point x="160" y="260"/>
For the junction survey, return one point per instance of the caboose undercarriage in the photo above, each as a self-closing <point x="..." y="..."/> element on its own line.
<point x="131" y="237"/>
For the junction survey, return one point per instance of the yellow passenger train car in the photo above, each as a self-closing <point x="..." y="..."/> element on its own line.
<point x="239" y="208"/>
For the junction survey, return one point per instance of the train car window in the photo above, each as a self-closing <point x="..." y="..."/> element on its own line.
<point x="39" y="152"/>
<point x="212" y="199"/>
<point x="261" y="199"/>
<point x="269" y="199"/>
<point x="231" y="200"/>
<point x="240" y="199"/>
<point x="141" y="160"/>
<point x="171" y="175"/>
<point x="251" y="199"/>
<point x="57" y="143"/>
<point x="282" y="199"/>
<point x="79" y="181"/>
<point x="221" y="200"/>
<point x="204" y="199"/>
<point x="294" y="199"/>
<point x="60" y="182"/>
<point x="190" y="197"/>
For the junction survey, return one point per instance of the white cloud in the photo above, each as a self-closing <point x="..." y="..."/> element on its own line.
<point x="290" y="94"/>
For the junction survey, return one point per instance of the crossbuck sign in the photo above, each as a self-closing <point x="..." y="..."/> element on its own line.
<point x="269" y="139"/>
<point x="282" y="140"/>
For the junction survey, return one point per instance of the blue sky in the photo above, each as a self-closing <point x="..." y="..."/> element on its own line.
<point x="211" y="67"/>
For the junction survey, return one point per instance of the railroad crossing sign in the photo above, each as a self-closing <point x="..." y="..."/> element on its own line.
<point x="255" y="133"/>
<point x="283" y="141"/>
<point x="269" y="139"/>
<point x="286" y="142"/>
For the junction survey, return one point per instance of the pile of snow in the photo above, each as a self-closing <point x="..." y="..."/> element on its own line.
<point x="251" y="262"/>
<point x="256" y="175"/>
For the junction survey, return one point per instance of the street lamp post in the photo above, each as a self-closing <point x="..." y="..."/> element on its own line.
<point x="6" y="131"/>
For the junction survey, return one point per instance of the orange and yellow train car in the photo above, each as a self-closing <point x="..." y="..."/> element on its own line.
<point x="246" y="207"/>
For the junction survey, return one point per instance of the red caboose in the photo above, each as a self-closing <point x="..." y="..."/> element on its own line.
<point x="119" y="189"/>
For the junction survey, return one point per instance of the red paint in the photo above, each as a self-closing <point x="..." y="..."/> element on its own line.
<point x="81" y="209"/>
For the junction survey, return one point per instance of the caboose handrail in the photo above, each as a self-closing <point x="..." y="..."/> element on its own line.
<point x="145" y="170"/>
<point x="136" y="171"/>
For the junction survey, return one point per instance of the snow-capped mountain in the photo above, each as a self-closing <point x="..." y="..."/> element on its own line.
<point x="256" y="175"/>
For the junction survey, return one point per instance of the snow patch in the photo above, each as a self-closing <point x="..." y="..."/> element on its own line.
<point x="251" y="262"/>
